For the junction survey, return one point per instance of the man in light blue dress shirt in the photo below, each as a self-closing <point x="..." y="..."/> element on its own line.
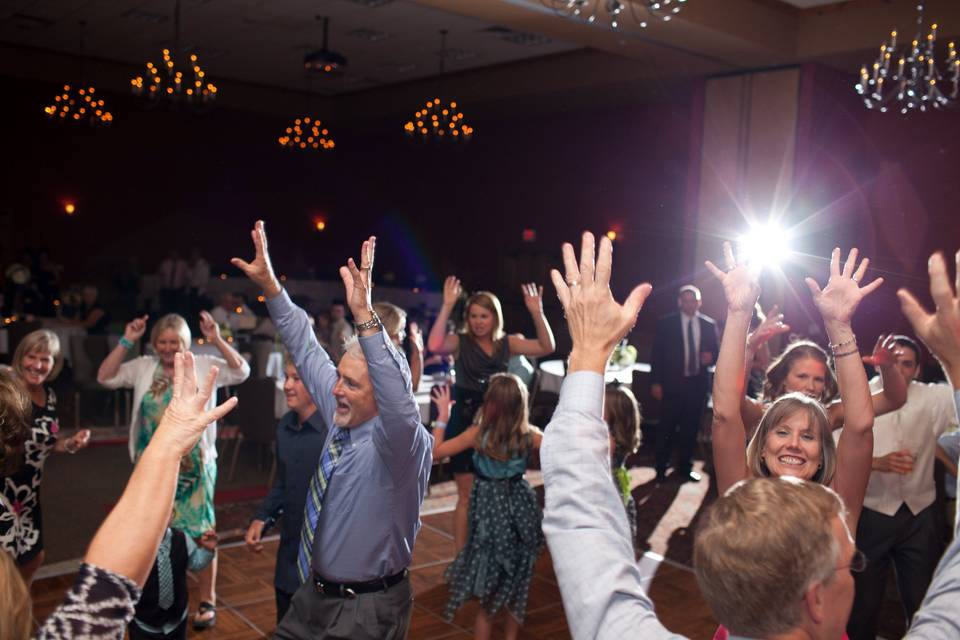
<point x="586" y="526"/>
<point x="370" y="509"/>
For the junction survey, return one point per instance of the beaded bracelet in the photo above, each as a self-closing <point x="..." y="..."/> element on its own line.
<point x="439" y="424"/>
<point x="834" y="347"/>
<point x="126" y="344"/>
<point x="845" y="353"/>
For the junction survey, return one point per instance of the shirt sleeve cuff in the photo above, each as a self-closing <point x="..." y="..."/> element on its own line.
<point x="280" y="304"/>
<point x="582" y="391"/>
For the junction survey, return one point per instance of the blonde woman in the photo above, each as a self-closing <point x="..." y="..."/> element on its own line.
<point x="482" y="349"/>
<point x="36" y="361"/>
<point x="151" y="378"/>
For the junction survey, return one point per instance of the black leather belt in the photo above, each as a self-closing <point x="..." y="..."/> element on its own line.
<point x="353" y="589"/>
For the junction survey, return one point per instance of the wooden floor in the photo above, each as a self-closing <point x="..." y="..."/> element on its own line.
<point x="246" y="600"/>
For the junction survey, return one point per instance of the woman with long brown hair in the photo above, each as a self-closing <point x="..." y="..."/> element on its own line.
<point x="482" y="349"/>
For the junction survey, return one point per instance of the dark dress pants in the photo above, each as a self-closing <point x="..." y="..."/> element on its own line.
<point x="382" y="615"/>
<point x="680" y="423"/>
<point x="283" y="603"/>
<point x="912" y="544"/>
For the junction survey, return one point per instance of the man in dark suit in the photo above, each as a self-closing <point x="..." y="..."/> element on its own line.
<point x="684" y="346"/>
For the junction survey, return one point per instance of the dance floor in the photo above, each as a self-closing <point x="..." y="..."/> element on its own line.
<point x="246" y="605"/>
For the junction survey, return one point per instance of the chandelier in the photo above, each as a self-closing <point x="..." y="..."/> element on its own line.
<point x="82" y="107"/>
<point x="439" y="120"/>
<point x="915" y="81"/>
<point x="168" y="83"/>
<point x="611" y="11"/>
<point x="306" y="133"/>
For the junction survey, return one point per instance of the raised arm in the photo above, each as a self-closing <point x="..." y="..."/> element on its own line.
<point x="741" y="288"/>
<point x="110" y="366"/>
<point x="211" y="333"/>
<point x="837" y="303"/>
<point x="544" y="345"/>
<point x="318" y="372"/>
<point x="439" y="341"/>
<point x="893" y="393"/>
<point x="400" y="426"/>
<point x="584" y="521"/>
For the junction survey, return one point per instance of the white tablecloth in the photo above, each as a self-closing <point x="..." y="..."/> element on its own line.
<point x="551" y="374"/>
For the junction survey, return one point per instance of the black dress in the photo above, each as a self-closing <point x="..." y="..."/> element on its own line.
<point x="21" y="521"/>
<point x="474" y="368"/>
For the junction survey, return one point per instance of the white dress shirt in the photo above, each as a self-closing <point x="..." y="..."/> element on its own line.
<point x="685" y="321"/>
<point x="915" y="427"/>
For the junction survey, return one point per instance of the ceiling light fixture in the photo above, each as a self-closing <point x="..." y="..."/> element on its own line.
<point x="83" y="106"/>
<point x="914" y="82"/>
<point x="612" y="11"/>
<point x="439" y="120"/>
<point x="323" y="60"/>
<point x="167" y="84"/>
<point x="307" y="133"/>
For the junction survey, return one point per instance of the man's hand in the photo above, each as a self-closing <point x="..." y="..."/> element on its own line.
<point x="358" y="282"/>
<point x="595" y="320"/>
<point x="260" y="270"/>
<point x="897" y="462"/>
<point x="254" y="534"/>
<point x="940" y="331"/>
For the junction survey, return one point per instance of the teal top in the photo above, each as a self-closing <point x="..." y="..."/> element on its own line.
<point x="499" y="469"/>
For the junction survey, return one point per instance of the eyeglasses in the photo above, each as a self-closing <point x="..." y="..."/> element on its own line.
<point x="857" y="563"/>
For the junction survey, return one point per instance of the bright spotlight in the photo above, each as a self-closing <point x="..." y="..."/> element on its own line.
<point x="764" y="246"/>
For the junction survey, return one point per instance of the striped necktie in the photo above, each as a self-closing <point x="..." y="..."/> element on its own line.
<point x="165" y="572"/>
<point x="315" y="493"/>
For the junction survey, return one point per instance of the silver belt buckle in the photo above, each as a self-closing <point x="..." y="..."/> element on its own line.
<point x="347" y="592"/>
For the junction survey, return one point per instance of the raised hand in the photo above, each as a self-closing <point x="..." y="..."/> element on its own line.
<point x="186" y="416"/>
<point x="741" y="285"/>
<point x="838" y="301"/>
<point x="595" y="320"/>
<point x="260" y="270"/>
<point x="135" y="329"/>
<point x="358" y="281"/>
<point x="772" y="325"/>
<point x="532" y="298"/>
<point x="451" y="291"/>
<point x="940" y="331"/>
<point x="209" y="327"/>
<point x="884" y="352"/>
<point x="416" y="337"/>
<point x="440" y="396"/>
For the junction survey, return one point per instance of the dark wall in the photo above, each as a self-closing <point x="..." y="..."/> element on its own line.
<point x="159" y="179"/>
<point x="884" y="182"/>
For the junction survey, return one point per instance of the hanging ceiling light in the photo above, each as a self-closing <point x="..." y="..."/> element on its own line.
<point x="83" y="107"/>
<point x="612" y="12"/>
<point x="915" y="81"/>
<point x="323" y="60"/>
<point x="307" y="133"/>
<point x="439" y="120"/>
<point x="166" y="83"/>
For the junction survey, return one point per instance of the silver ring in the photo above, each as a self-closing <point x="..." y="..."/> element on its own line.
<point x="573" y="283"/>
<point x="855" y="279"/>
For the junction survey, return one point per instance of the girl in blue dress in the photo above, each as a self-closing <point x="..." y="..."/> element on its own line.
<point x="504" y="536"/>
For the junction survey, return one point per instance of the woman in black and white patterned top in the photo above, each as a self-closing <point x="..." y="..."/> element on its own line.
<point x="36" y="361"/>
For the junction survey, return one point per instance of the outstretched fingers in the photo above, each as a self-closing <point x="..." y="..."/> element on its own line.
<point x="563" y="292"/>
<point x="715" y="270"/>
<point x="870" y="288"/>
<point x="588" y="256"/>
<point x="813" y="286"/>
<point x="728" y="258"/>
<point x="207" y="390"/>
<point x="912" y="309"/>
<point x="570" y="268"/>
<point x="635" y="300"/>
<point x="850" y="263"/>
<point x="835" y="262"/>
<point x="604" y="262"/>
<point x="220" y="411"/>
<point x="940" y="287"/>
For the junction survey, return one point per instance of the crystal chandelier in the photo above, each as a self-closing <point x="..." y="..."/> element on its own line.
<point x="915" y="81"/>
<point x="611" y="11"/>
<point x="82" y="107"/>
<point x="307" y="133"/>
<point x="439" y="120"/>
<point x="167" y="83"/>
